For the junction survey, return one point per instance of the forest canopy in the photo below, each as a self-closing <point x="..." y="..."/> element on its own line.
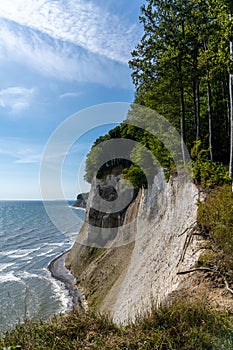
<point x="182" y="69"/>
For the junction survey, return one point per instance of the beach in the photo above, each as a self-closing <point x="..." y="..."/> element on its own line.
<point x="61" y="273"/>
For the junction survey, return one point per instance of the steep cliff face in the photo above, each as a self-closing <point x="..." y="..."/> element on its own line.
<point x="97" y="269"/>
<point x="165" y="217"/>
<point x="124" y="280"/>
<point x="81" y="200"/>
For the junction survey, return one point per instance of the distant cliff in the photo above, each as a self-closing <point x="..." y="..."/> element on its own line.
<point x="81" y="200"/>
<point x="148" y="247"/>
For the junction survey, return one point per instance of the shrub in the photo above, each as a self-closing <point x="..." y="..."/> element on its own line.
<point x="206" y="173"/>
<point x="215" y="219"/>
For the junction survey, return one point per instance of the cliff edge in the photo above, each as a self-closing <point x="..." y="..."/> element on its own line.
<point x="124" y="275"/>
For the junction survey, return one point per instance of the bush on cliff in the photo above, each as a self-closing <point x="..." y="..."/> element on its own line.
<point x="215" y="220"/>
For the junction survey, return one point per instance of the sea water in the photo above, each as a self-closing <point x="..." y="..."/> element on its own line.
<point x="28" y="242"/>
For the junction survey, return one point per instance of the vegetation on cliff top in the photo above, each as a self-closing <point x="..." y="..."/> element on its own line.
<point x="180" y="326"/>
<point x="181" y="69"/>
<point x="215" y="221"/>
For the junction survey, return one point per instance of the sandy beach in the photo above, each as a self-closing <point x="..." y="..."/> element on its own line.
<point x="61" y="273"/>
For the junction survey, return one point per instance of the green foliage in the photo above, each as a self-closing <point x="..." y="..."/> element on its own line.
<point x="148" y="151"/>
<point x="180" y="69"/>
<point x="215" y="219"/>
<point x="184" y="56"/>
<point x="183" y="325"/>
<point x="136" y="176"/>
<point x="206" y="173"/>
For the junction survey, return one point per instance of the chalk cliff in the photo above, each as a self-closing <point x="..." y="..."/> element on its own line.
<point x="139" y="263"/>
<point x="81" y="200"/>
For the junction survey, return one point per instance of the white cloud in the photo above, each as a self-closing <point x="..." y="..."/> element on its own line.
<point x="20" y="150"/>
<point x="16" y="99"/>
<point x="70" y="94"/>
<point x="79" y="22"/>
<point x="58" y="59"/>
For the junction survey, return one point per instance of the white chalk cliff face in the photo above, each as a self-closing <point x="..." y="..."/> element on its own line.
<point x="162" y="217"/>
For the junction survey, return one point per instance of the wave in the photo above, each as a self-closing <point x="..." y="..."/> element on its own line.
<point x="61" y="293"/>
<point x="19" y="253"/>
<point x="9" y="277"/>
<point x="5" y="266"/>
<point x="29" y="241"/>
<point x="20" y="228"/>
<point x="45" y="253"/>
<point x="26" y="275"/>
<point x="77" y="208"/>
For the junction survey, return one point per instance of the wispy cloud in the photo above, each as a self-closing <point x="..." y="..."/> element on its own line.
<point x="20" y="151"/>
<point x="81" y="22"/>
<point x="70" y="94"/>
<point x="16" y="99"/>
<point x="67" y="39"/>
<point x="58" y="59"/>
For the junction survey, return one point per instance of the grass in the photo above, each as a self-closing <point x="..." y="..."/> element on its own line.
<point x="215" y="220"/>
<point x="181" y="326"/>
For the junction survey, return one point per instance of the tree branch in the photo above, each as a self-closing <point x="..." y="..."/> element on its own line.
<point x="191" y="227"/>
<point x="227" y="286"/>
<point x="203" y="269"/>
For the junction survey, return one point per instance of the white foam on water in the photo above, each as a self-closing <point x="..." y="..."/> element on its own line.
<point x="82" y="209"/>
<point x="9" y="277"/>
<point x="61" y="293"/>
<point x="20" y="228"/>
<point x="28" y="242"/>
<point x="46" y="253"/>
<point x="55" y="244"/>
<point x="50" y="249"/>
<point x="26" y="275"/>
<point x="77" y="208"/>
<point x="19" y="253"/>
<point x="5" y="266"/>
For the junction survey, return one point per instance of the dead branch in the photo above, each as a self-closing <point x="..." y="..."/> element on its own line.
<point x="203" y="269"/>
<point x="191" y="227"/>
<point x="227" y="286"/>
<point x="186" y="244"/>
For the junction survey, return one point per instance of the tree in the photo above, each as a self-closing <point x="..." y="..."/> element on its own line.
<point x="180" y="69"/>
<point x="181" y="65"/>
<point x="231" y="99"/>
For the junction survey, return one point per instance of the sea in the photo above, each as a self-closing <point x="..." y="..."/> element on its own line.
<point x="29" y="241"/>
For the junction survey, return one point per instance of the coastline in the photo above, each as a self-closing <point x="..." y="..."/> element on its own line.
<point x="61" y="273"/>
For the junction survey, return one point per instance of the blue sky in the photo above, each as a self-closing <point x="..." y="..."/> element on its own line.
<point x="58" y="57"/>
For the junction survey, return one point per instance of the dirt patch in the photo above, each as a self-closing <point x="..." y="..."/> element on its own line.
<point x="201" y="286"/>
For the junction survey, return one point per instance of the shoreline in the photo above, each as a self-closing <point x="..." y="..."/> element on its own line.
<point x="61" y="273"/>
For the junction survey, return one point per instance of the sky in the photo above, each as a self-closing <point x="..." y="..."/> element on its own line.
<point x="57" y="58"/>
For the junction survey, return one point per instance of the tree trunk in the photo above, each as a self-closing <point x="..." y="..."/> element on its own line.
<point x="231" y="104"/>
<point x="182" y="114"/>
<point x="231" y="128"/>
<point x="196" y="104"/>
<point x="182" y="103"/>
<point x="225" y="96"/>
<point x="196" y="94"/>
<point x="209" y="96"/>
<point x="198" y="111"/>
